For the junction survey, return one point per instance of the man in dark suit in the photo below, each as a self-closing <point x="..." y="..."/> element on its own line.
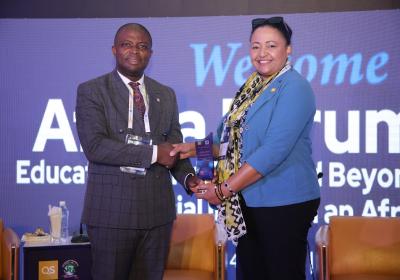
<point x="127" y="123"/>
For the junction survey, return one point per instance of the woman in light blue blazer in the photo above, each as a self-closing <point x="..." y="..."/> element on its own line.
<point x="266" y="187"/>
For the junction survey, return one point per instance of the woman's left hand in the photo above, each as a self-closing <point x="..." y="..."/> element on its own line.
<point x="206" y="191"/>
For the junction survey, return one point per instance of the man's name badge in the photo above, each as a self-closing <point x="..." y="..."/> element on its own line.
<point x="138" y="141"/>
<point x="205" y="159"/>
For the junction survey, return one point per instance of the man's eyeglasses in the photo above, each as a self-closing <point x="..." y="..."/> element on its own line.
<point x="257" y="22"/>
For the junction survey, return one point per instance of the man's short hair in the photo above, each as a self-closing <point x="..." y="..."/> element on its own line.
<point x="135" y="26"/>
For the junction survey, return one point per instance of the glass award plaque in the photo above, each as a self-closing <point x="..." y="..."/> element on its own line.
<point x="205" y="159"/>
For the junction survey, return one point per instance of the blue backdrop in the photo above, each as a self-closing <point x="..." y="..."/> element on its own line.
<point x="351" y="59"/>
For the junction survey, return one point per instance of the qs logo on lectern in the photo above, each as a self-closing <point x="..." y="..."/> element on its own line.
<point x="48" y="270"/>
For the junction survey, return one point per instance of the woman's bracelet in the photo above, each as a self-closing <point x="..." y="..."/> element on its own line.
<point x="226" y="185"/>
<point x="221" y="193"/>
<point x="216" y="193"/>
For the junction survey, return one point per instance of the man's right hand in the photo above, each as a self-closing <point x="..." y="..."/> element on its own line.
<point x="186" y="150"/>
<point x="164" y="157"/>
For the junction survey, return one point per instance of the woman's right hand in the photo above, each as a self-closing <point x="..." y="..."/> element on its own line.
<point x="185" y="150"/>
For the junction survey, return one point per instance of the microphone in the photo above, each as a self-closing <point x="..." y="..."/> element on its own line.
<point x="320" y="175"/>
<point x="80" y="238"/>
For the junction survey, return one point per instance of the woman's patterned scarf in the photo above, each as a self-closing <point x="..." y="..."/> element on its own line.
<point x="229" y="212"/>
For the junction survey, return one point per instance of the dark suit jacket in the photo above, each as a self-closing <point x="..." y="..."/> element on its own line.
<point x="121" y="200"/>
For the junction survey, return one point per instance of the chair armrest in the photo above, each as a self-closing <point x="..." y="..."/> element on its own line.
<point x="220" y="260"/>
<point x="10" y="252"/>
<point x="322" y="247"/>
<point x="10" y="237"/>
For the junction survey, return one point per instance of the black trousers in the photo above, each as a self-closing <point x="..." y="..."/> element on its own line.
<point x="129" y="254"/>
<point x="275" y="246"/>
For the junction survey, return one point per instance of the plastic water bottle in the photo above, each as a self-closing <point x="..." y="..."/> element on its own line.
<point x="64" y="222"/>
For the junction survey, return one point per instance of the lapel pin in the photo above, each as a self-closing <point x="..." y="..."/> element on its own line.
<point x="158" y="100"/>
<point x="273" y="90"/>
